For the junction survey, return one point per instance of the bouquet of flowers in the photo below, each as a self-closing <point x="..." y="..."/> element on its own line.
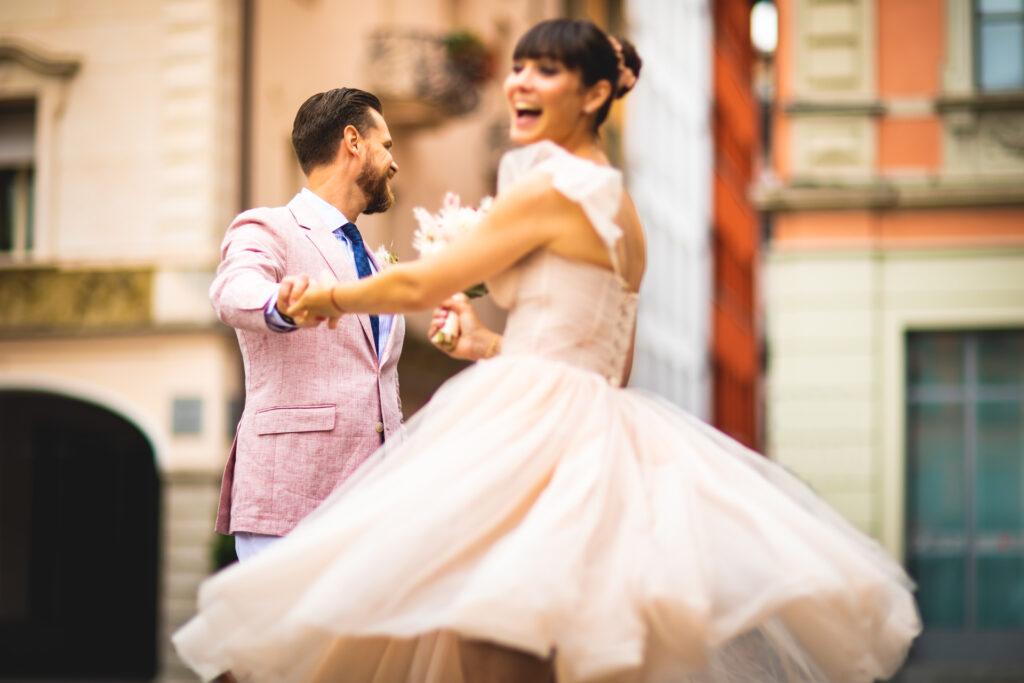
<point x="437" y="231"/>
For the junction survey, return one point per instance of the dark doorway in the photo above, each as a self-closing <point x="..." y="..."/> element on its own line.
<point x="79" y="521"/>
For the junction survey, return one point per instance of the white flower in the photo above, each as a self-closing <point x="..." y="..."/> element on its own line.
<point x="437" y="231"/>
<point x="384" y="257"/>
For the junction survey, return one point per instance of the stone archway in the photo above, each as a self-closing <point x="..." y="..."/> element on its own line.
<point x="79" y="541"/>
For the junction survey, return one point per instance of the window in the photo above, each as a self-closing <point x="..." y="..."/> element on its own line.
<point x="186" y="416"/>
<point x="17" y="176"/>
<point x="965" y="491"/>
<point x="999" y="32"/>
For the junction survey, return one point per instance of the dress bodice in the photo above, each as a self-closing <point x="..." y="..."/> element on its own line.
<point x="578" y="313"/>
<point x="569" y="311"/>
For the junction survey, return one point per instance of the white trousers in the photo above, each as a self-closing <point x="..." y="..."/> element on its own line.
<point x="248" y="545"/>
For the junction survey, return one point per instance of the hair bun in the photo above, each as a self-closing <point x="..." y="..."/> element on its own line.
<point x="629" y="66"/>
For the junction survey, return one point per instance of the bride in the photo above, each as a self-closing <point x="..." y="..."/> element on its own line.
<point x="537" y="521"/>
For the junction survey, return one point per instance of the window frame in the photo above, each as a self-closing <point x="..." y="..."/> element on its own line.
<point x="22" y="229"/>
<point x="969" y="643"/>
<point x="22" y="171"/>
<point x="977" y="20"/>
<point x="44" y="79"/>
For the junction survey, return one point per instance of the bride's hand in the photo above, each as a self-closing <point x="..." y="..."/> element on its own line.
<point x="311" y="305"/>
<point x="472" y="341"/>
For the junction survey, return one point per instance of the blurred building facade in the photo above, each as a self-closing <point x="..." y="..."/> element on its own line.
<point x="895" y="295"/>
<point x="690" y="146"/>
<point x="131" y="132"/>
<point x="668" y="156"/>
<point x="120" y="154"/>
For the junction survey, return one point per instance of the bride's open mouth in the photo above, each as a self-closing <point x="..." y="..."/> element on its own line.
<point x="526" y="113"/>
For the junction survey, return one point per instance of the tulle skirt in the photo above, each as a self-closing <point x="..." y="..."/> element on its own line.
<point x="534" y="506"/>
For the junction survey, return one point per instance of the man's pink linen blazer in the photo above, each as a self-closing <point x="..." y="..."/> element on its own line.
<point x="316" y="400"/>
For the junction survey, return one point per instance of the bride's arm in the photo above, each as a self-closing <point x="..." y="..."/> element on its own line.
<point x="527" y="217"/>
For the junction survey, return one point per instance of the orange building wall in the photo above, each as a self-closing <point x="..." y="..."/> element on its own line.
<point x="734" y="349"/>
<point x="910" y="47"/>
<point x="909" y="228"/>
<point x="910" y="57"/>
<point x="911" y="143"/>
<point x="911" y="52"/>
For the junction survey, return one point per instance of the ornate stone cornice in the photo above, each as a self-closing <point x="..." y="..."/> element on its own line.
<point x="814" y="108"/>
<point x="47" y="65"/>
<point x="52" y="300"/>
<point x="975" y="102"/>
<point x="1011" y="101"/>
<point x="822" y="197"/>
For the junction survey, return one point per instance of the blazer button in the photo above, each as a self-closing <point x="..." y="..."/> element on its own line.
<point x="379" y="427"/>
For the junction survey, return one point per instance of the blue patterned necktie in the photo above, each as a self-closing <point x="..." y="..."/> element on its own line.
<point x="362" y="267"/>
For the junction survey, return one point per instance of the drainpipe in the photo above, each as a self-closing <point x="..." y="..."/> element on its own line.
<point x="247" y="10"/>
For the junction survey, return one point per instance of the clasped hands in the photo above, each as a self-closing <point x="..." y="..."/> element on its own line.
<point x="308" y="302"/>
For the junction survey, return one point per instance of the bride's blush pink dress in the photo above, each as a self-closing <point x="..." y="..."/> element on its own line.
<point x="536" y="504"/>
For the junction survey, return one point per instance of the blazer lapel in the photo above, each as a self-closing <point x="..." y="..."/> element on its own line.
<point x="333" y="253"/>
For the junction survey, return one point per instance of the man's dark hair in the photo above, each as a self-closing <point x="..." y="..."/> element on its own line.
<point x="322" y="119"/>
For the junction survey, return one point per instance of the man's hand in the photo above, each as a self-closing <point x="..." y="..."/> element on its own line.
<point x="292" y="287"/>
<point x="311" y="302"/>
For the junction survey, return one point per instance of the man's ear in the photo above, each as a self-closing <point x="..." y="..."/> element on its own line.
<point x="350" y="140"/>
<point x="596" y="96"/>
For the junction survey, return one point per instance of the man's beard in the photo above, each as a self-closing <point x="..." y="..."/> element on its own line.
<point x="378" y="194"/>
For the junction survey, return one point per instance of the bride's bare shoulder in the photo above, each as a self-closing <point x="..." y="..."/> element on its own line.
<point x="534" y="196"/>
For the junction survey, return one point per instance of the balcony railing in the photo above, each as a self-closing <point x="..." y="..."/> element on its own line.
<point x="424" y="78"/>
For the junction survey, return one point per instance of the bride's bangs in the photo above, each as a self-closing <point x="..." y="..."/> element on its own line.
<point x="553" y="39"/>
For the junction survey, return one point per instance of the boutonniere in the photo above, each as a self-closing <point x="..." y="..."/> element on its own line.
<point x="384" y="257"/>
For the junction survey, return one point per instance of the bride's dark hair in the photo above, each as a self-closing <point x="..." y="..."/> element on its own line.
<point x="583" y="47"/>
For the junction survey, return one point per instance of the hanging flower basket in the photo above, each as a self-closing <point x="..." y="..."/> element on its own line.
<point x="469" y="57"/>
<point x="427" y="71"/>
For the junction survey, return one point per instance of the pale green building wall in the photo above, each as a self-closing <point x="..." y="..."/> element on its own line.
<point x="836" y="329"/>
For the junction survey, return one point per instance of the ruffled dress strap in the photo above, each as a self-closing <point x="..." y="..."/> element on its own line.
<point x="597" y="189"/>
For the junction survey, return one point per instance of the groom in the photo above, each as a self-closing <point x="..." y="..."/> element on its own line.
<point x="318" y="401"/>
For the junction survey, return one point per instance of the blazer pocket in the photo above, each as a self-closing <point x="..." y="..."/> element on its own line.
<point x="296" y="419"/>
